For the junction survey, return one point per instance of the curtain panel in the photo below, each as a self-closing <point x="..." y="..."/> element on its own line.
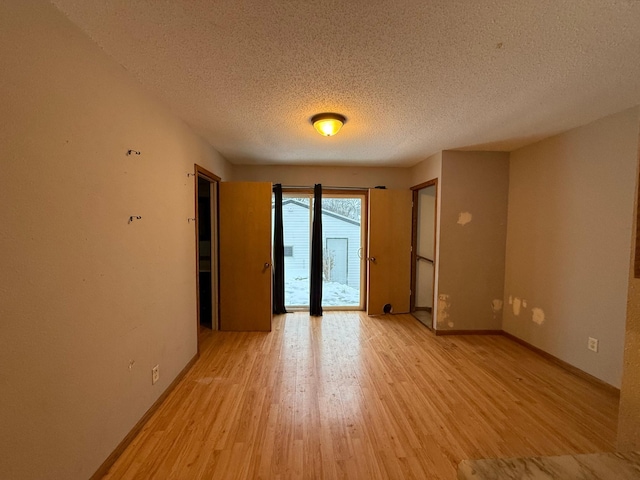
<point x="315" y="301"/>
<point x="278" y="253"/>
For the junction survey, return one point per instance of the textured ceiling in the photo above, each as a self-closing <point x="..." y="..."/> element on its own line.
<point x="412" y="77"/>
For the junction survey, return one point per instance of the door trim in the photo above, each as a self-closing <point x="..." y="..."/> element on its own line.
<point x="338" y="192"/>
<point x="202" y="172"/>
<point x="414" y="241"/>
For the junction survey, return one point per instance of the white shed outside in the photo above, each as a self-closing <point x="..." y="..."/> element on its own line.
<point x="340" y="239"/>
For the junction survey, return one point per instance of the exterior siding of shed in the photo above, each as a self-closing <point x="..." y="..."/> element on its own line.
<point x="297" y="232"/>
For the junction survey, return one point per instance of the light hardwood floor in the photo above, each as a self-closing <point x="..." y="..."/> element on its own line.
<point x="357" y="397"/>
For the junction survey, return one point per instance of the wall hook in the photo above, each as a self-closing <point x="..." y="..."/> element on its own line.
<point x="189" y="220"/>
<point x="134" y="217"/>
<point x="133" y="152"/>
<point x="191" y="175"/>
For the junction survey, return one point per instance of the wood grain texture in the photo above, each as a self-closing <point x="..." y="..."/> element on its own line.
<point x="467" y="332"/>
<point x="565" y="365"/>
<point x="389" y="276"/>
<point x="351" y="396"/>
<point x="245" y="256"/>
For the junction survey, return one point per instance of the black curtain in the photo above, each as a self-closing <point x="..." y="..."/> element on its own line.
<point x="315" y="301"/>
<point x="278" y="253"/>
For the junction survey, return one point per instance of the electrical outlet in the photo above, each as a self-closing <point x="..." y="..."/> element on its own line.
<point x="593" y="344"/>
<point x="155" y="374"/>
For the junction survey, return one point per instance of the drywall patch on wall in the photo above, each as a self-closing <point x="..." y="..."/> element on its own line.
<point x="464" y="218"/>
<point x="516" y="306"/>
<point x="496" y="305"/>
<point x="444" y="304"/>
<point x="537" y="315"/>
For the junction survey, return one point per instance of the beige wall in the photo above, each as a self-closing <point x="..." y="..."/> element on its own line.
<point x="629" y="418"/>
<point x="569" y="231"/>
<point x="428" y="169"/>
<point x="473" y="217"/>
<point x="84" y="294"/>
<point x="328" y="176"/>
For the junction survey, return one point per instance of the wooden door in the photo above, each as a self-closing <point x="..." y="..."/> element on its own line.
<point x="389" y="252"/>
<point x="245" y="256"/>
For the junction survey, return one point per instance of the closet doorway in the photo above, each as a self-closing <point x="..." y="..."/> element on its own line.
<point x="423" y="271"/>
<point x="206" y="225"/>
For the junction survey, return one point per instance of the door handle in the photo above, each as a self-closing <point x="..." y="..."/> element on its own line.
<point x="372" y="259"/>
<point x="266" y="265"/>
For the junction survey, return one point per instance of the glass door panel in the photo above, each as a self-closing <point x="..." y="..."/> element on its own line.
<point x="342" y="240"/>
<point x="296" y="217"/>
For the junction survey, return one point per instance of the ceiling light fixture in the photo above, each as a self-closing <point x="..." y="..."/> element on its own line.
<point x="328" y="124"/>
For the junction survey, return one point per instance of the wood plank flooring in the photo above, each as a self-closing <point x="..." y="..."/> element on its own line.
<point x="357" y="397"/>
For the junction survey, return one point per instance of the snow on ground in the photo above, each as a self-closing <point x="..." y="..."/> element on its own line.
<point x="334" y="294"/>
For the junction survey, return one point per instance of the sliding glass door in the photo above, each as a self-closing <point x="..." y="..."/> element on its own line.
<point x="343" y="241"/>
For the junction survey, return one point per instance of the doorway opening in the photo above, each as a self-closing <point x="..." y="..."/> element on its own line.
<point x="206" y="250"/>
<point x="343" y="232"/>
<point x="423" y="271"/>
